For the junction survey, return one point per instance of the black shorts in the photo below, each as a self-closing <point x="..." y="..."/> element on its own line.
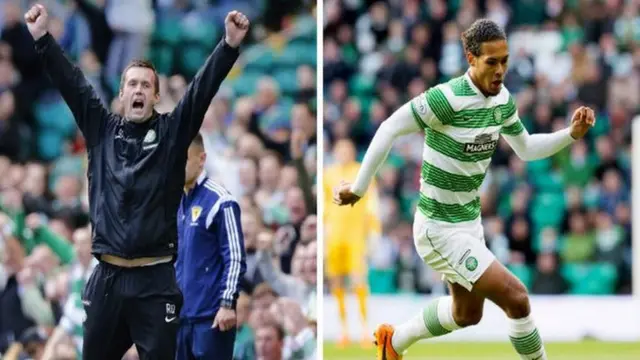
<point x="127" y="306"/>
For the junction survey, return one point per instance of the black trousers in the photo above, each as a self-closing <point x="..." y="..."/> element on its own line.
<point x="127" y="306"/>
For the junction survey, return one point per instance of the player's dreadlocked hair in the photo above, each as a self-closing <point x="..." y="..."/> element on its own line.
<point x="482" y="30"/>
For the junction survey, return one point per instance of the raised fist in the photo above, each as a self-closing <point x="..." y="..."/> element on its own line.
<point x="37" y="21"/>
<point x="236" y="26"/>
<point x="583" y="119"/>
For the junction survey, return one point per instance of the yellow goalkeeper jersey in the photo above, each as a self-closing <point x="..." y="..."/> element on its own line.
<point x="345" y="223"/>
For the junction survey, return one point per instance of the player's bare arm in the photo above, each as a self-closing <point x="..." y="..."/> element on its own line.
<point x="401" y="122"/>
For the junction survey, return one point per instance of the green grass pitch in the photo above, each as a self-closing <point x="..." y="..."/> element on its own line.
<point x="587" y="350"/>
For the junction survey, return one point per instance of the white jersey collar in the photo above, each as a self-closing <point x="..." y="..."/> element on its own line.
<point x="473" y="86"/>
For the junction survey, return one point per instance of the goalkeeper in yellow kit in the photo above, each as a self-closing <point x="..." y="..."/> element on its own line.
<point x="347" y="231"/>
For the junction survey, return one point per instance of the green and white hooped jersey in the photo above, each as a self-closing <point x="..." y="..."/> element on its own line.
<point x="74" y="314"/>
<point x="462" y="128"/>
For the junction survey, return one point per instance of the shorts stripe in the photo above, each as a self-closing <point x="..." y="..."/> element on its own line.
<point x="445" y="259"/>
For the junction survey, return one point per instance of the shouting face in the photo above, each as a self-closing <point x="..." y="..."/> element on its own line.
<point x="139" y="92"/>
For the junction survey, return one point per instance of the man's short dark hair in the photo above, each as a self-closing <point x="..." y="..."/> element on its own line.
<point x="481" y="31"/>
<point x="143" y="64"/>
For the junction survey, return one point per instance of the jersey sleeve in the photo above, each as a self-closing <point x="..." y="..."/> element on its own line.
<point x="188" y="114"/>
<point x="229" y="230"/>
<point x="512" y="126"/>
<point x="531" y="147"/>
<point x="421" y="111"/>
<point x="85" y="105"/>
<point x="398" y="124"/>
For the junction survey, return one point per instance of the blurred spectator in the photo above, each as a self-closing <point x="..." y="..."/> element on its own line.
<point x="269" y="342"/>
<point x="31" y="343"/>
<point x="558" y="223"/>
<point x="547" y="278"/>
<point x="300" y="284"/>
<point x="131" y="22"/>
<point x="260" y="128"/>
<point x="13" y="321"/>
<point x="10" y="138"/>
<point x="579" y="243"/>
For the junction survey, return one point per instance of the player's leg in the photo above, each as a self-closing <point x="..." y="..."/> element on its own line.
<point x="441" y="317"/>
<point x="467" y="306"/>
<point x="335" y="269"/>
<point x="153" y="308"/>
<point x="185" y="339"/>
<point x="499" y="285"/>
<point x="460" y="255"/>
<point x="211" y="343"/>
<point x="337" y="285"/>
<point x="106" y="336"/>
<point x="356" y="256"/>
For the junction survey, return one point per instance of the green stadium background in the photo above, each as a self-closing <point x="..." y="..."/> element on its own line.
<point x="268" y="98"/>
<point x="563" y="224"/>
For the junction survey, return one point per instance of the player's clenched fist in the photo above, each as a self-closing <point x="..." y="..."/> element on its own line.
<point x="236" y="26"/>
<point x="37" y="19"/>
<point x="583" y="119"/>
<point x="342" y="195"/>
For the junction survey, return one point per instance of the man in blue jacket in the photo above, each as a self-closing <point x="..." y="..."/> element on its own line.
<point x="211" y="262"/>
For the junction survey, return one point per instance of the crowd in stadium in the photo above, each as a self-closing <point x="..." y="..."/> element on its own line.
<point x="259" y="133"/>
<point x="561" y="224"/>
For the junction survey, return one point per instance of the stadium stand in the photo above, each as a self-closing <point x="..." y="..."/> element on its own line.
<point x="259" y="133"/>
<point x="561" y="224"/>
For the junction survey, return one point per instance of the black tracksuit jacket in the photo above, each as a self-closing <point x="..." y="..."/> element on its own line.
<point x="136" y="170"/>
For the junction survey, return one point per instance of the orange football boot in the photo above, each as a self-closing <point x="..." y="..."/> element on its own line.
<point x="383" y="342"/>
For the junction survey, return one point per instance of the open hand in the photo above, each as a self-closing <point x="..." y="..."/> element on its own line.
<point x="583" y="119"/>
<point x="225" y="319"/>
<point x="37" y="21"/>
<point x="342" y="195"/>
<point x="236" y="26"/>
